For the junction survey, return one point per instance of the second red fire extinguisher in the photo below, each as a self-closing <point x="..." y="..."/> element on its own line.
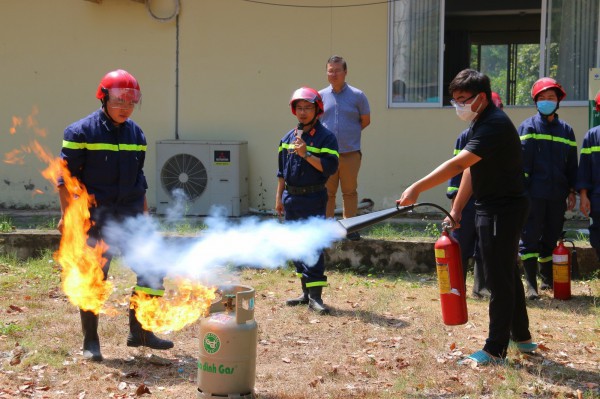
<point x="450" y="279"/>
<point x="561" y="269"/>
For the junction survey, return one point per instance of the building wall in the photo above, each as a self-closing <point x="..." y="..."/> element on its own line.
<point x="238" y="63"/>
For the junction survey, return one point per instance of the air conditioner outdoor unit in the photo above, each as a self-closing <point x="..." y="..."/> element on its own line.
<point x="208" y="172"/>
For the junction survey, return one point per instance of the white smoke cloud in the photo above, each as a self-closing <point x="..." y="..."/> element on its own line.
<point x="175" y="212"/>
<point x="245" y="242"/>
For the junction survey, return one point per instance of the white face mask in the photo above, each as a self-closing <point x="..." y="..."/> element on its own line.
<point x="464" y="111"/>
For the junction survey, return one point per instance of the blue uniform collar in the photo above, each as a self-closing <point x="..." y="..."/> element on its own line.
<point x="554" y="121"/>
<point x="106" y="121"/>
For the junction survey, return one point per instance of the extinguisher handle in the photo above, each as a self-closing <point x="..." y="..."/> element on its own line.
<point x="447" y="226"/>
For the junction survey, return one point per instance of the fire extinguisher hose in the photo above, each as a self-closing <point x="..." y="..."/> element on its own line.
<point x="357" y="223"/>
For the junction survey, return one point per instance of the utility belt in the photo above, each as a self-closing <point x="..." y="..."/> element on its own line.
<point x="296" y="190"/>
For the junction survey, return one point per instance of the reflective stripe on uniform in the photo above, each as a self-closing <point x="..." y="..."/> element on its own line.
<point x="314" y="150"/>
<point x="316" y="284"/>
<point x="325" y="150"/>
<point x="286" y="146"/>
<point x="548" y="137"/>
<point x="72" y="145"/>
<point x="590" y="150"/>
<point x="529" y="256"/>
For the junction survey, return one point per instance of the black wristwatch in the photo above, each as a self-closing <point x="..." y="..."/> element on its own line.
<point x="308" y="154"/>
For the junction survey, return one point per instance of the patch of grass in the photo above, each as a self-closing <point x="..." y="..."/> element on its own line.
<point x="11" y="329"/>
<point x="37" y="273"/>
<point x="432" y="230"/>
<point x="6" y="224"/>
<point x="578" y="237"/>
<point x="47" y="224"/>
<point x="185" y="227"/>
<point x="395" y="231"/>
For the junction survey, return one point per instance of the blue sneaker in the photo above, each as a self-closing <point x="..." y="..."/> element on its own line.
<point x="482" y="358"/>
<point x="526" y="347"/>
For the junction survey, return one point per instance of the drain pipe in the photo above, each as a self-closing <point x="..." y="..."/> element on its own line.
<point x="177" y="77"/>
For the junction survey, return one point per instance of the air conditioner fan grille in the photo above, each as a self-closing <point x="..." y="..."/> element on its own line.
<point x="185" y="172"/>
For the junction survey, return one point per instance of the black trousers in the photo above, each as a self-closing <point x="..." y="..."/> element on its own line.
<point x="498" y="233"/>
<point x="542" y="229"/>
<point x="466" y="235"/>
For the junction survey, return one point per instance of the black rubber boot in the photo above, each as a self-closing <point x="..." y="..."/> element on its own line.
<point x="546" y="274"/>
<point x="530" y="269"/>
<point x="302" y="299"/>
<point x="140" y="337"/>
<point x="91" y="341"/>
<point x="315" y="302"/>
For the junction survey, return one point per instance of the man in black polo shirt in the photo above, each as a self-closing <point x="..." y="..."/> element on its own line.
<point x="492" y="167"/>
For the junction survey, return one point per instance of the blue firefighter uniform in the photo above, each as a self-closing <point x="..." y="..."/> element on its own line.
<point x="588" y="178"/>
<point x="550" y="168"/>
<point x="305" y="194"/>
<point x="109" y="161"/>
<point x="466" y="235"/>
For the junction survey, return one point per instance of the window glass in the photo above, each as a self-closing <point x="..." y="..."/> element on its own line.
<point x="512" y="68"/>
<point x="415" y="51"/>
<point x="492" y="60"/>
<point x="572" y="44"/>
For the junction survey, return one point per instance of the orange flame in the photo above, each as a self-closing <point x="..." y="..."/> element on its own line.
<point x="33" y="124"/>
<point x="176" y="309"/>
<point x="81" y="265"/>
<point x="16" y="121"/>
<point x="82" y="277"/>
<point x="14" y="157"/>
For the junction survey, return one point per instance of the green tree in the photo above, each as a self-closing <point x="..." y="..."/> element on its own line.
<point x="494" y="63"/>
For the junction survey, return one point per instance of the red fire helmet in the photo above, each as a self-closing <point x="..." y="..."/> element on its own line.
<point x="545" y="84"/>
<point x="119" y="79"/>
<point x="497" y="100"/>
<point x="597" y="99"/>
<point x="307" y="94"/>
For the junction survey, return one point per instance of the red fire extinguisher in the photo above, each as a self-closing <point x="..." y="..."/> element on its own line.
<point x="450" y="279"/>
<point x="561" y="270"/>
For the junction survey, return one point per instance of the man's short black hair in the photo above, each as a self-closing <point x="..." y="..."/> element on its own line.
<point x="335" y="59"/>
<point x="472" y="81"/>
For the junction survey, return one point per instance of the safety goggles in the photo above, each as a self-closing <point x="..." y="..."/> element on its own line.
<point x="124" y="98"/>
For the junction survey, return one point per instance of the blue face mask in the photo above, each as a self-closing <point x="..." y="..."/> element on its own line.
<point x="546" y="107"/>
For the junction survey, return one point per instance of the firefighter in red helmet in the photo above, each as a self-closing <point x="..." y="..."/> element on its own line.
<point x="550" y="167"/>
<point x="308" y="155"/>
<point x="105" y="151"/>
<point x="119" y="92"/>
